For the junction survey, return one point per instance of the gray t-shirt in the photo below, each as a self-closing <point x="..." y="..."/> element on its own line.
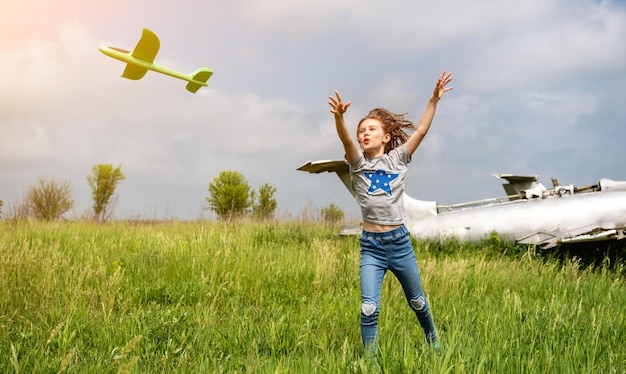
<point x="379" y="185"/>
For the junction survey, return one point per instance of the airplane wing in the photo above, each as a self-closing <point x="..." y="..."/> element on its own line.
<point x="145" y="50"/>
<point x="550" y="239"/>
<point x="547" y="239"/>
<point x="332" y="166"/>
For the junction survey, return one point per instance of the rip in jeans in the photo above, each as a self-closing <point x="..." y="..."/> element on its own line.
<point x="368" y="308"/>
<point x="418" y="304"/>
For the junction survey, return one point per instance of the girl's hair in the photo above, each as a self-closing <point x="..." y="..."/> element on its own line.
<point x="395" y="124"/>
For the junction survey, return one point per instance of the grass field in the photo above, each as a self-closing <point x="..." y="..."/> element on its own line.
<point x="208" y="297"/>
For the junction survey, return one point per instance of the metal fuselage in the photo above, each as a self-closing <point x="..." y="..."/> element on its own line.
<point x="532" y="221"/>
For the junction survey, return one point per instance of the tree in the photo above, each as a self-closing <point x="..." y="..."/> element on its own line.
<point x="1" y="204"/>
<point x="266" y="205"/>
<point x="49" y="200"/>
<point x="230" y="195"/>
<point x="332" y="214"/>
<point x="103" y="183"/>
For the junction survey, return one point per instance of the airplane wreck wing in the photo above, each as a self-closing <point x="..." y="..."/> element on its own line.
<point x="332" y="166"/>
<point x="146" y="50"/>
<point x="316" y="167"/>
<point x="550" y="239"/>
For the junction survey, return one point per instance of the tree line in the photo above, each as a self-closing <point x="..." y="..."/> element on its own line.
<point x="50" y="199"/>
<point x="231" y="197"/>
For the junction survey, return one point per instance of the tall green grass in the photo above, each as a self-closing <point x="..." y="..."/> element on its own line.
<point x="283" y="297"/>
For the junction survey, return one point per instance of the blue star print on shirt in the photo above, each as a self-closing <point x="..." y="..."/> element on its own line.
<point x="381" y="180"/>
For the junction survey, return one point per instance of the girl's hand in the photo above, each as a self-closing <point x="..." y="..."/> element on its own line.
<point x="442" y="82"/>
<point x="338" y="107"/>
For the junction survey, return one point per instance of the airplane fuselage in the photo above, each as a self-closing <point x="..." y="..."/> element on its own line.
<point x="532" y="221"/>
<point x="127" y="57"/>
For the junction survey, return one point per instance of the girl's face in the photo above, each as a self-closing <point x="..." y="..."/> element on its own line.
<point x="372" y="137"/>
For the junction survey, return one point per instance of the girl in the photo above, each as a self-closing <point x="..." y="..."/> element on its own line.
<point x="377" y="174"/>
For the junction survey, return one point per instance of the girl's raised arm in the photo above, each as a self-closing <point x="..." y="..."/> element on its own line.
<point x="429" y="113"/>
<point x="338" y="108"/>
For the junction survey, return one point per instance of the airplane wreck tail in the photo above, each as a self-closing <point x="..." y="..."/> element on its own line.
<point x="199" y="78"/>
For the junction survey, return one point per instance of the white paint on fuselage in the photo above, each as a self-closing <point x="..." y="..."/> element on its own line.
<point x="516" y="219"/>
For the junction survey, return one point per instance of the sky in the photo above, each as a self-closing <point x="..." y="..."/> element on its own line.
<point x="539" y="89"/>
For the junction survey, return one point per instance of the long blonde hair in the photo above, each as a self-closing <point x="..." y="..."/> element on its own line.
<point x="397" y="125"/>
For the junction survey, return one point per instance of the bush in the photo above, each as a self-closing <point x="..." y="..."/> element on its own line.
<point x="332" y="214"/>
<point x="103" y="182"/>
<point x="266" y="205"/>
<point x="49" y="200"/>
<point x="230" y="195"/>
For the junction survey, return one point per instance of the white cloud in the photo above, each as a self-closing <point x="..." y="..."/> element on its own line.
<point x="571" y="41"/>
<point x="297" y="20"/>
<point x="534" y="81"/>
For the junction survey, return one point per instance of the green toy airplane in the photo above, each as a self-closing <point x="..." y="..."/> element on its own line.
<point x="141" y="59"/>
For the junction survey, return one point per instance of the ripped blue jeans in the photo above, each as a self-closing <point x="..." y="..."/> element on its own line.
<point x="382" y="251"/>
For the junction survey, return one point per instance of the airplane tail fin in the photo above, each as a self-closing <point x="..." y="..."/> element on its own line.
<point x="199" y="79"/>
<point x="521" y="186"/>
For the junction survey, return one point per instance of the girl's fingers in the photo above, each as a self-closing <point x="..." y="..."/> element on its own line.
<point x="338" y="106"/>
